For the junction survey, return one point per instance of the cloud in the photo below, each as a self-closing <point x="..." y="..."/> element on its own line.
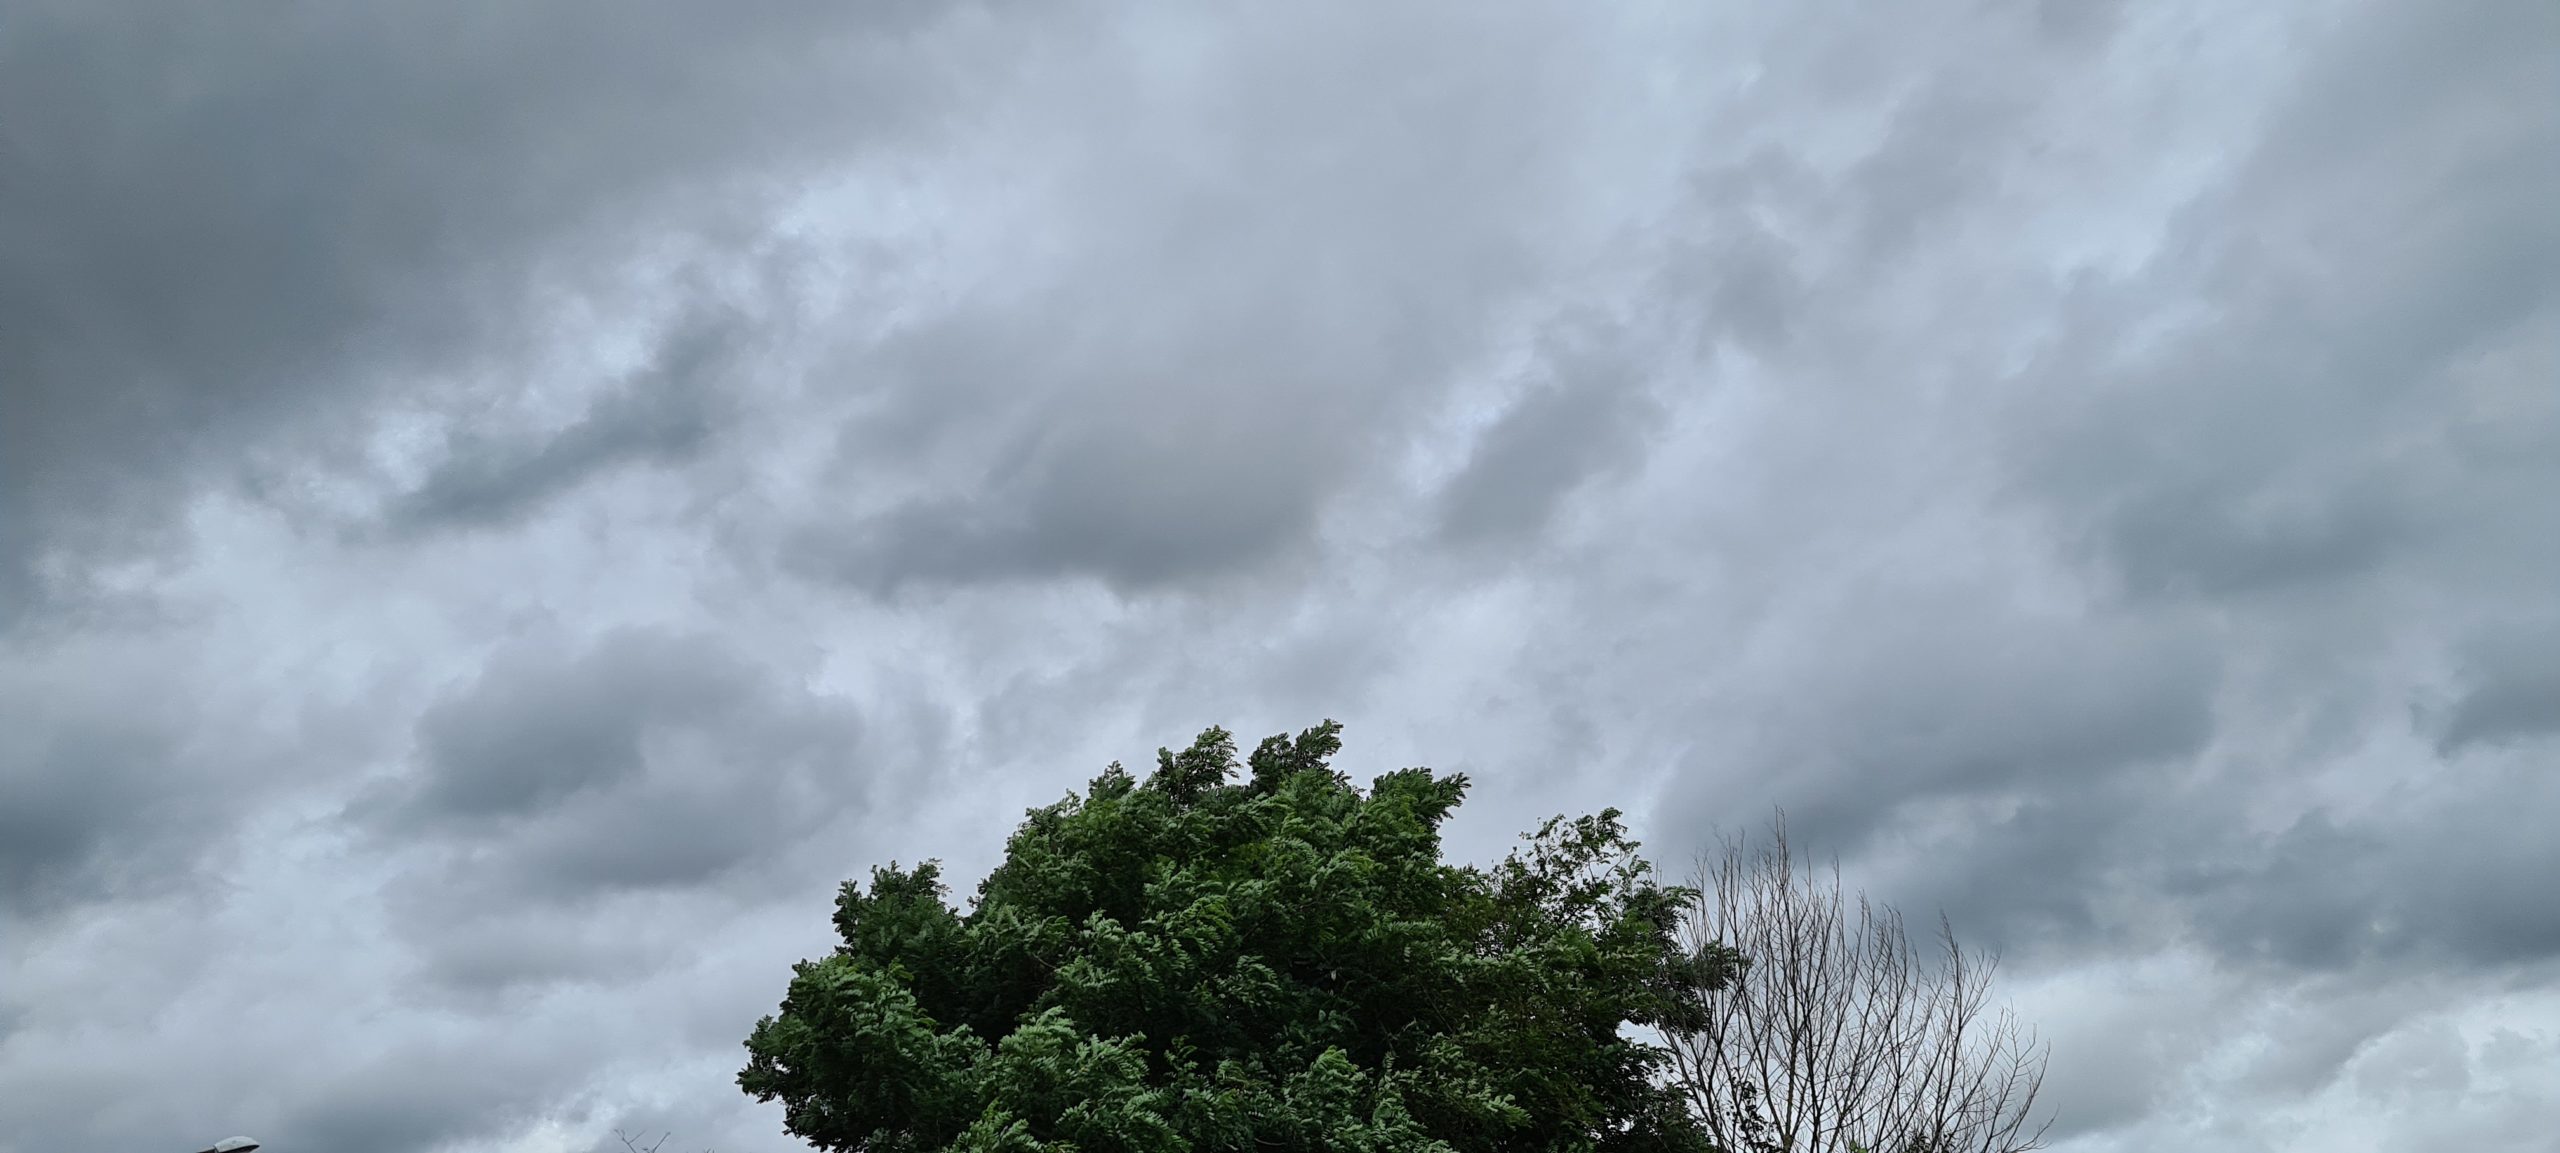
<point x="649" y="760"/>
<point x="2265" y="444"/>
<point x="504" y="506"/>
<point x="2247" y="473"/>
<point x="2512" y="690"/>
<point x="1588" y="419"/>
<point x="2328" y="895"/>
<point x="80" y="784"/>
<point x="422" y="1095"/>
<point x="666" y="414"/>
<point x="221" y="230"/>
<point x="121" y="770"/>
<point x="1191" y="359"/>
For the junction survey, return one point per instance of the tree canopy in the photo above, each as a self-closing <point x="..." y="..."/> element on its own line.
<point x="1276" y="963"/>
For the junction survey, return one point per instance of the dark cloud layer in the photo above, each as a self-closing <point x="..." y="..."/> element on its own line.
<point x="666" y="414"/>
<point x="219" y="228"/>
<point x="646" y="761"/>
<point x="503" y="506"/>
<point x="120" y="769"/>
<point x="1203" y="340"/>
<point x="2510" y="688"/>
<point x="81" y="776"/>
<point x="1588" y="418"/>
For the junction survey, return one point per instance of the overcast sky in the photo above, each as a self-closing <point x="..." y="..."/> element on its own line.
<point x="503" y="505"/>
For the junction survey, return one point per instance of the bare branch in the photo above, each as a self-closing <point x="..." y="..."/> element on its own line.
<point x="1838" y="1034"/>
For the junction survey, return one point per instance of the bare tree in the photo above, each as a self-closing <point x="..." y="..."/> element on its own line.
<point x="1838" y="1036"/>
<point x="633" y="1144"/>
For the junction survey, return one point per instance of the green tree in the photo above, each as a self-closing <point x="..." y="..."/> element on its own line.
<point x="1278" y="963"/>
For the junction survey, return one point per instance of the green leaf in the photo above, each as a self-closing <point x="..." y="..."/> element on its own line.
<point x="1280" y="964"/>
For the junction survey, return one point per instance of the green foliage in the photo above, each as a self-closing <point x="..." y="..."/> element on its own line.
<point x="1280" y="964"/>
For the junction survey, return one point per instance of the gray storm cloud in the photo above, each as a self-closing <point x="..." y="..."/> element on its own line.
<point x="503" y="506"/>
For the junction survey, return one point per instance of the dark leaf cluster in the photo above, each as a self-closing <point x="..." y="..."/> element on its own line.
<point x="1271" y="961"/>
